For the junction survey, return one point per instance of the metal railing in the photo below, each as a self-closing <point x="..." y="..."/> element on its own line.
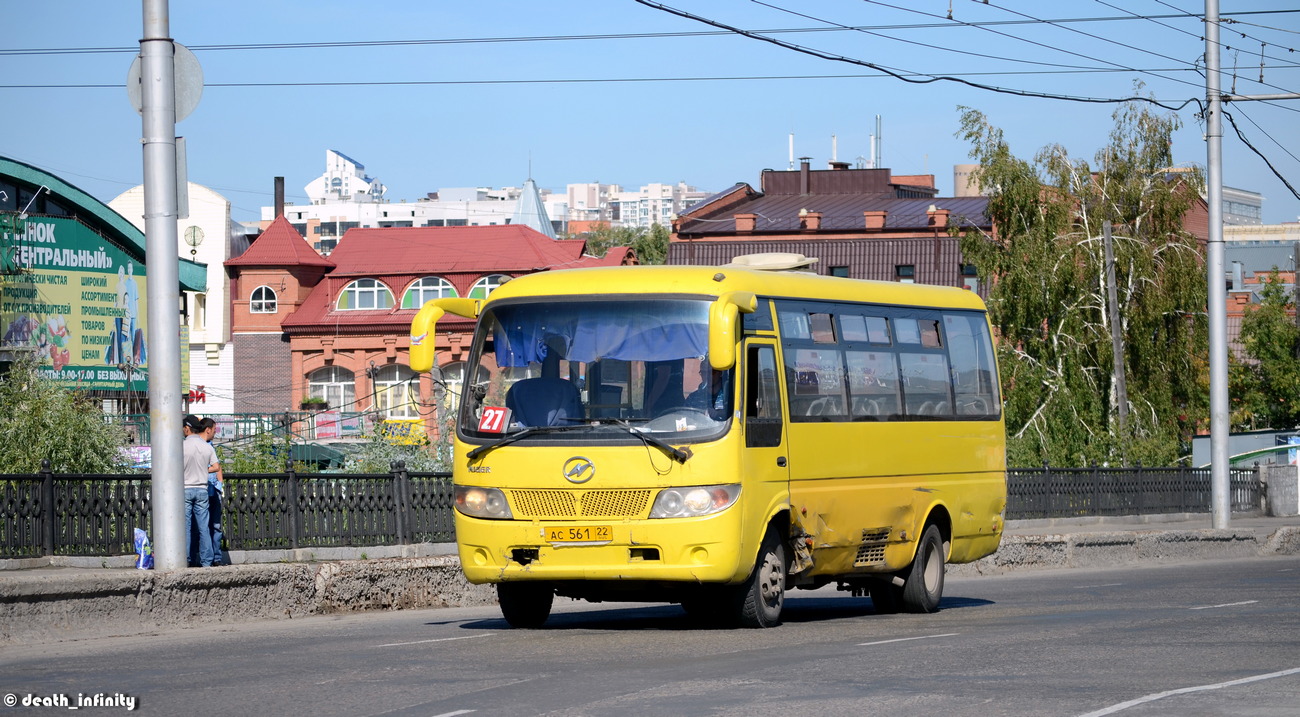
<point x="239" y="427"/>
<point x="48" y="514"/>
<point x="82" y="514"/>
<point x="1085" y="492"/>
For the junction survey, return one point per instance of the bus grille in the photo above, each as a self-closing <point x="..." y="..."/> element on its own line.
<point x="580" y="504"/>
<point x="872" y="549"/>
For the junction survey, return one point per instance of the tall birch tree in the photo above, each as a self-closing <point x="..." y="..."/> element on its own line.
<point x="1046" y="270"/>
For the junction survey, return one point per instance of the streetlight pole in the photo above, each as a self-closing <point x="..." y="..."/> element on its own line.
<point x="158" y="109"/>
<point x="1220" y="504"/>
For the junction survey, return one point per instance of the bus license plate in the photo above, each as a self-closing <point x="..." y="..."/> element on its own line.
<point x="579" y="534"/>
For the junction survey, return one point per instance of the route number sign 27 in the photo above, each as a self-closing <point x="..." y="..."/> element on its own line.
<point x="494" y="419"/>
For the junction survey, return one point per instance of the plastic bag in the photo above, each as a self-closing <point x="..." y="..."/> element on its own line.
<point x="143" y="550"/>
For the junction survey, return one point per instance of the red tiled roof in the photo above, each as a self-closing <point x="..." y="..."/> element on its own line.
<point x="397" y="256"/>
<point x="425" y="250"/>
<point x="280" y="245"/>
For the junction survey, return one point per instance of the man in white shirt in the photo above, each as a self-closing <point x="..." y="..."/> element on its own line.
<point x="199" y="458"/>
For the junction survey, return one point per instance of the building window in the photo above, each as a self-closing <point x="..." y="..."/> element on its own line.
<point x="453" y="377"/>
<point x="200" y="312"/>
<point x="425" y="290"/>
<point x="364" y="294"/>
<point x="905" y="273"/>
<point x="263" y="300"/>
<point x="396" y="390"/>
<point x="970" y="277"/>
<point x="485" y="286"/>
<point x="840" y="271"/>
<point x="336" y="385"/>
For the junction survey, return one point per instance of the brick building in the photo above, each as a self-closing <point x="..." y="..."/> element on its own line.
<point x="337" y="328"/>
<point x="859" y="223"/>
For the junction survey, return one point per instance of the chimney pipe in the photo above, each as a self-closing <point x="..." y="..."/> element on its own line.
<point x="279" y="197"/>
<point x="803" y="174"/>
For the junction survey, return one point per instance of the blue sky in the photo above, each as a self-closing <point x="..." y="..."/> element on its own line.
<point x="656" y="100"/>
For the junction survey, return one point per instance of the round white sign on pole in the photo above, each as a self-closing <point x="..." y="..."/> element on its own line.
<point x="187" y="78"/>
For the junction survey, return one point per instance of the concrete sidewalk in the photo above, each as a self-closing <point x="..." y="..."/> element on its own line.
<point x="43" y="602"/>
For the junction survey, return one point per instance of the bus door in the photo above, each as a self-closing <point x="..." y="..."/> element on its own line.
<point x="765" y="459"/>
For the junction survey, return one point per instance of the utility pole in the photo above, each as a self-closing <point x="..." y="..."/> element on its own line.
<point x="1220" y="500"/>
<point x="163" y="281"/>
<point x="1116" y="337"/>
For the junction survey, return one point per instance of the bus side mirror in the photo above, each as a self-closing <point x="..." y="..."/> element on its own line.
<point x="422" y="327"/>
<point x="722" y="326"/>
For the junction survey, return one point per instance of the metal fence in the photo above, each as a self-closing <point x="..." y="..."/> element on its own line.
<point x="1083" y="492"/>
<point x="48" y="514"/>
<point x="76" y="514"/>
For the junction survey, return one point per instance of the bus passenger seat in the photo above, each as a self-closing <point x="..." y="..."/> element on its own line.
<point x="544" y="401"/>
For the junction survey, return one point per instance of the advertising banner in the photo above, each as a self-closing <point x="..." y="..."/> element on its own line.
<point x="78" y="303"/>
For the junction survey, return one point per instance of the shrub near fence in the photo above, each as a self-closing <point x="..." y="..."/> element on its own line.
<point x="47" y="514"/>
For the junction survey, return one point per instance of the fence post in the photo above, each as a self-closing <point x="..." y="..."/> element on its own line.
<point x="398" y="469"/>
<point x="295" y="505"/>
<point x="48" y="515"/>
<point x="1143" y="485"/>
<point x="1096" y="489"/>
<point x="1261" y="489"/>
<point x="1047" y="500"/>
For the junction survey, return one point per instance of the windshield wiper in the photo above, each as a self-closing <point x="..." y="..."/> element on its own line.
<point x="519" y="436"/>
<point x="675" y="453"/>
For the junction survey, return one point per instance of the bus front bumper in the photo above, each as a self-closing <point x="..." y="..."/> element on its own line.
<point x="692" y="550"/>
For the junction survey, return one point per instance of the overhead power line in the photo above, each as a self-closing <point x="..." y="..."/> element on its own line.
<point x="595" y="80"/>
<point x="602" y="36"/>
<point x="907" y="76"/>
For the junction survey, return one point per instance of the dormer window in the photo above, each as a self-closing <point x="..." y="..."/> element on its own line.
<point x="263" y="300"/>
<point x="485" y="286"/>
<point x="364" y="294"/>
<point x="427" y="289"/>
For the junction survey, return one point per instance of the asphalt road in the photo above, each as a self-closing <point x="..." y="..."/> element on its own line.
<point x="1221" y="638"/>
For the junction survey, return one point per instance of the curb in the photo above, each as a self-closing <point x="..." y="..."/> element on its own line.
<point x="1104" y="549"/>
<point x="52" y="607"/>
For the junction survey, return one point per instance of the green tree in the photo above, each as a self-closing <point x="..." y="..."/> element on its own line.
<point x="377" y="454"/>
<point x="1048" y="286"/>
<point x="1266" y="384"/>
<point x="41" y="420"/>
<point x="266" y="452"/>
<point x="650" y="245"/>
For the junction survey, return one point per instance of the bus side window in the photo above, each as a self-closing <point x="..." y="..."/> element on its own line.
<point x="974" y="374"/>
<point x="762" y="398"/>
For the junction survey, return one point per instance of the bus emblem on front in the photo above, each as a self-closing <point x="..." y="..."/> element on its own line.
<point x="579" y="470"/>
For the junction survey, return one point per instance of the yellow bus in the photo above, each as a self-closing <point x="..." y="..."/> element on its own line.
<point x="716" y="436"/>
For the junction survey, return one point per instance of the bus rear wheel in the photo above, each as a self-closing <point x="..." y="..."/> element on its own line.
<point x="923" y="581"/>
<point x="525" y="605"/>
<point x="762" y="596"/>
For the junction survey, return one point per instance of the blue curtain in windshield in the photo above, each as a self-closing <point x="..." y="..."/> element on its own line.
<point x="644" y="331"/>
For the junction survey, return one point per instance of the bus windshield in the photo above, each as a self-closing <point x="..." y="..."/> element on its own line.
<point x="599" y="367"/>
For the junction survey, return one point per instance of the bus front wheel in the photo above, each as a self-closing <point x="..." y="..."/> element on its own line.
<point x="923" y="581"/>
<point x="763" y="594"/>
<point x="525" y="605"/>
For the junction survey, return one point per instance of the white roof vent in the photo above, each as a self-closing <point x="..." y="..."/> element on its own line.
<point x="772" y="261"/>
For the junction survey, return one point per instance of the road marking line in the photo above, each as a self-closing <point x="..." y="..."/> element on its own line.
<point x="1226" y="604"/>
<point x="436" y="639"/>
<point x="1185" y="690"/>
<point x="453" y="714"/>
<point x="1103" y="585"/>
<point x="905" y="639"/>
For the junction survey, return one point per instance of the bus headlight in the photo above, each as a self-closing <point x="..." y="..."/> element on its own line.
<point x="694" y="501"/>
<point x="482" y="502"/>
